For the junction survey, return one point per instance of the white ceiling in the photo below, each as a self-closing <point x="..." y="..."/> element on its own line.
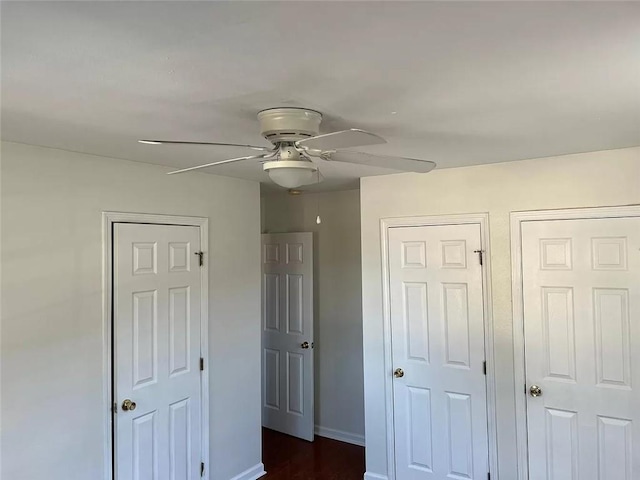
<point x="459" y="83"/>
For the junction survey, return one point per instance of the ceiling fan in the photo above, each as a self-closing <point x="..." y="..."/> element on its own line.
<point x="297" y="144"/>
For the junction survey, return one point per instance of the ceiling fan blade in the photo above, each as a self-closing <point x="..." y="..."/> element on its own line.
<point x="341" y="139"/>
<point x="172" y="142"/>
<point x="396" y="163"/>
<point x="222" y="162"/>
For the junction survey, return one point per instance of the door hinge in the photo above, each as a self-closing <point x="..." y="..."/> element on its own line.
<point x="480" y="254"/>
<point x="484" y="367"/>
<point x="202" y="469"/>
<point x="201" y="364"/>
<point x="200" y="257"/>
<point x="488" y="475"/>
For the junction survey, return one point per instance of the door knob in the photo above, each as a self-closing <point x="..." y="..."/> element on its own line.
<point x="535" y="391"/>
<point x="128" y="405"/>
<point x="304" y="345"/>
<point x="398" y="373"/>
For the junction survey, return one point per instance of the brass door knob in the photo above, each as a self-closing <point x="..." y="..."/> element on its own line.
<point x="128" y="405"/>
<point x="398" y="373"/>
<point x="535" y="391"/>
<point x="304" y="345"/>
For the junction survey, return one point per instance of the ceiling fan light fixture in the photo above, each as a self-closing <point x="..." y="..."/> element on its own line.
<point x="290" y="174"/>
<point x="297" y="146"/>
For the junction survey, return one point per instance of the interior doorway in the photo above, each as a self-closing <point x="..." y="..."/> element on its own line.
<point x="156" y="341"/>
<point x="287" y="334"/>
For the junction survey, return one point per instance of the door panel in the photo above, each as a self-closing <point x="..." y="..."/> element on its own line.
<point x="271" y="362"/>
<point x="145" y="345"/>
<point x="295" y="383"/>
<point x="157" y="352"/>
<point x="295" y="304"/>
<point x="271" y="300"/>
<point x="611" y="314"/>
<point x="437" y="321"/>
<point x="581" y="291"/>
<point x="179" y="342"/>
<point x="456" y="324"/>
<point x="460" y="434"/>
<point x="145" y="452"/>
<point x="419" y="414"/>
<point x="287" y="296"/>
<point x="415" y="306"/>
<point x="179" y="428"/>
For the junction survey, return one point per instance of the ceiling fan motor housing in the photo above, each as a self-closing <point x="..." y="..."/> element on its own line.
<point x="289" y="124"/>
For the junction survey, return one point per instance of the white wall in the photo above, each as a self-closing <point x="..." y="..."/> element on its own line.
<point x="339" y="404"/>
<point x="582" y="180"/>
<point x="51" y="350"/>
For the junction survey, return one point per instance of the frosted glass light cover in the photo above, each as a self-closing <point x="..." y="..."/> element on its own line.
<point x="291" y="177"/>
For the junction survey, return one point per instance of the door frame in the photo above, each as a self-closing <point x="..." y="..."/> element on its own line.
<point x="481" y="219"/>
<point x="108" y="219"/>
<point x="519" y="364"/>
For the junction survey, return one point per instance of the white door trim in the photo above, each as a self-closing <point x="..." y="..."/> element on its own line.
<point x="108" y="219"/>
<point x="481" y="219"/>
<point x="517" y="218"/>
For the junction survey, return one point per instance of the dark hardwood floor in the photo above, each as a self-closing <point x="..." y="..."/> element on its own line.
<point x="289" y="458"/>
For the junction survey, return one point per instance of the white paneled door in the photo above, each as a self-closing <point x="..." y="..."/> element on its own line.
<point x="287" y="333"/>
<point x="437" y="326"/>
<point x="581" y="288"/>
<point x="157" y="389"/>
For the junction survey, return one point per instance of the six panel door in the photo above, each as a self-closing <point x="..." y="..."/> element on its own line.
<point x="581" y="288"/>
<point x="287" y="338"/>
<point x="439" y="388"/>
<point x="157" y="387"/>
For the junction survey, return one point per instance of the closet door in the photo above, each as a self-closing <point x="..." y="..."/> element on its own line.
<point x="581" y="287"/>
<point x="439" y="386"/>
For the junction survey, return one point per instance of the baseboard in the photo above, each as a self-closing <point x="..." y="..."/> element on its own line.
<point x="252" y="473"/>
<point x="374" y="476"/>
<point x="339" y="435"/>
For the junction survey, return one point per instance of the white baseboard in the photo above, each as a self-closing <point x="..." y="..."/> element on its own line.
<point x="374" y="476"/>
<point x="252" y="473"/>
<point x="339" y="435"/>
